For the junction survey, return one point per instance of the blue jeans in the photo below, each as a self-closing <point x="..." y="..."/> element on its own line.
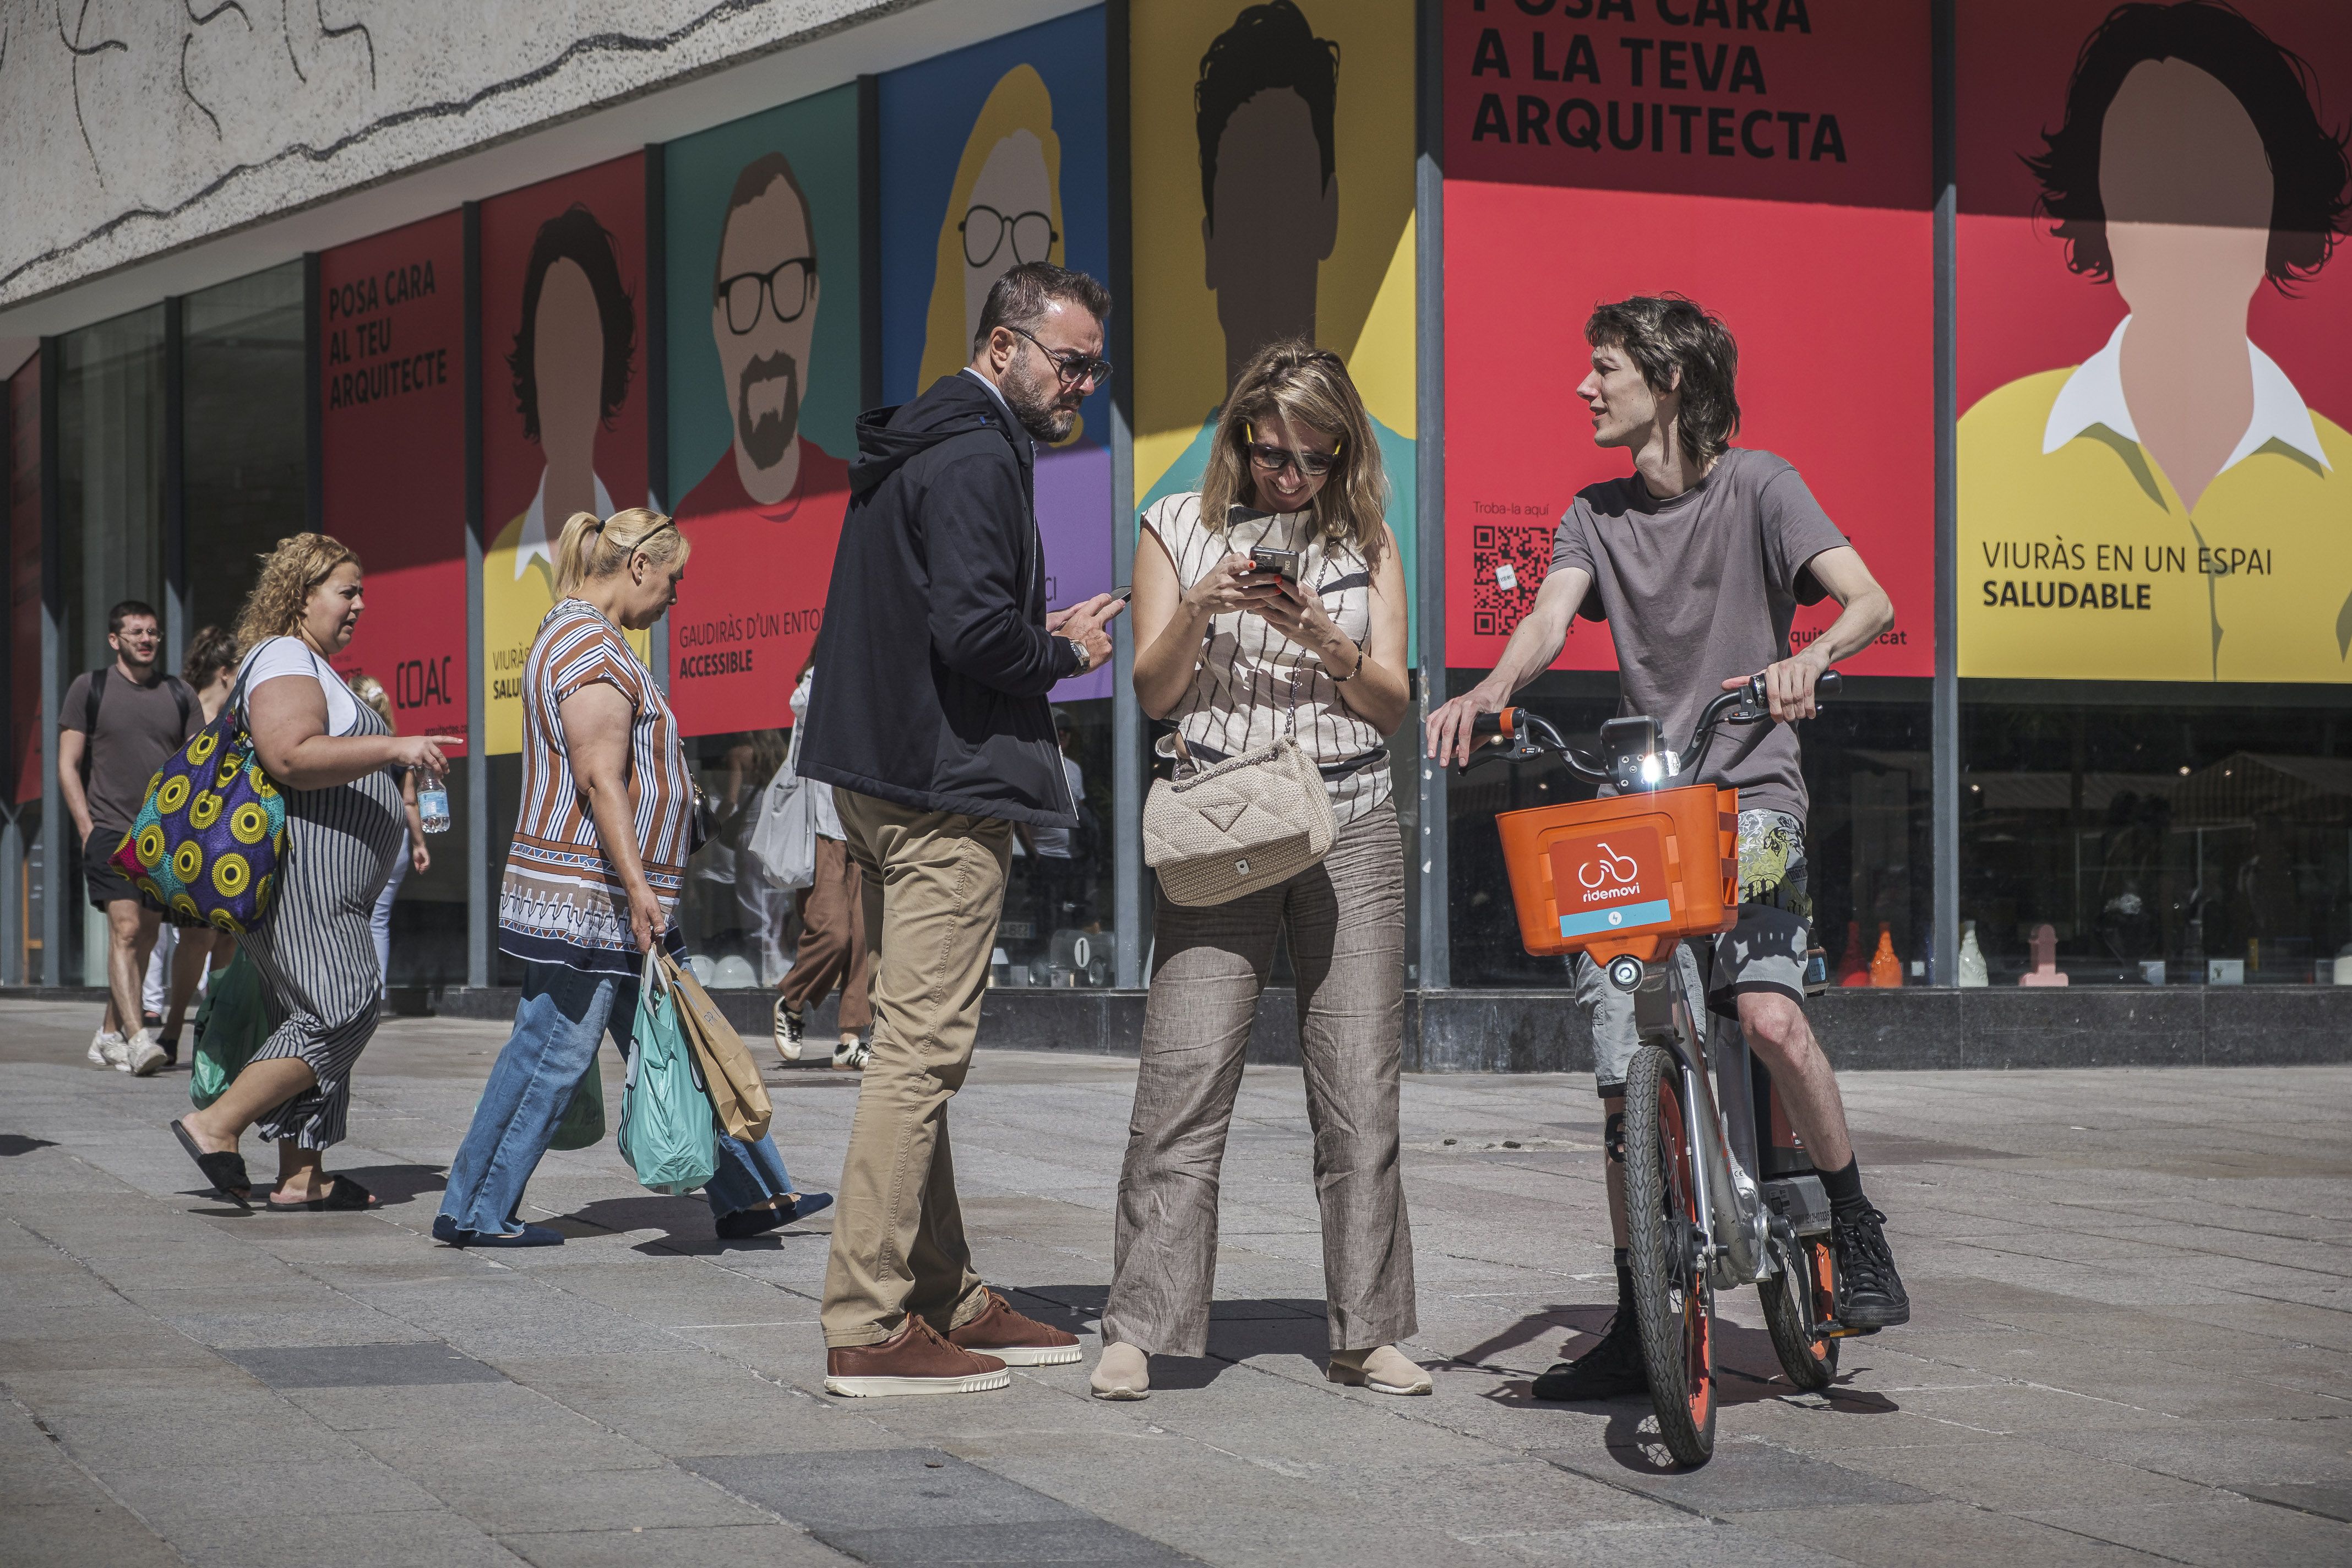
<point x="564" y="1012"/>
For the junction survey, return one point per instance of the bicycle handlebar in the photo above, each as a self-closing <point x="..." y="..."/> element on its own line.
<point x="1746" y="704"/>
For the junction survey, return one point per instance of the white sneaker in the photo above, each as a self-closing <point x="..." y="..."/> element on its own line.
<point x="98" y="1038"/>
<point x="112" y="1050"/>
<point x="143" y="1055"/>
<point x="788" y="1031"/>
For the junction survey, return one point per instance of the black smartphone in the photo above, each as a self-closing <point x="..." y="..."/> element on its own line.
<point x="1283" y="563"/>
<point x="1124" y="591"/>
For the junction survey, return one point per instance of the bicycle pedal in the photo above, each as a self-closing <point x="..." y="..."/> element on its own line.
<point x="1833" y="1330"/>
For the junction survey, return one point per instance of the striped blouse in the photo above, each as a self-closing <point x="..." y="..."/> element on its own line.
<point x="561" y="901"/>
<point x="1253" y="684"/>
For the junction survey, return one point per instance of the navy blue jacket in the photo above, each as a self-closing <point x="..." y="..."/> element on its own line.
<point x="933" y="663"/>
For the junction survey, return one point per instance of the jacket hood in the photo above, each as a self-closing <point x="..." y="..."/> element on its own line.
<point x="956" y="405"/>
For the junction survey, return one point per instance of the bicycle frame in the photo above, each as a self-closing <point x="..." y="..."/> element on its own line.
<point x="1738" y="1251"/>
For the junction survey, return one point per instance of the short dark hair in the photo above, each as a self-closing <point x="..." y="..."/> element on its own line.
<point x="2309" y="170"/>
<point x="1270" y="46"/>
<point x="576" y="235"/>
<point x="1018" y="298"/>
<point x="1677" y="345"/>
<point x="125" y="610"/>
<point x="749" y="185"/>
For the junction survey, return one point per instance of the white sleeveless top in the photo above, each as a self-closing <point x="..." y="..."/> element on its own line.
<point x="1253" y="684"/>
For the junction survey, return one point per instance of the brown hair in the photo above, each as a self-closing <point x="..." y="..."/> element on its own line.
<point x="1679" y="347"/>
<point x="210" y="651"/>
<point x="591" y="550"/>
<point x="289" y="574"/>
<point x="1308" y="386"/>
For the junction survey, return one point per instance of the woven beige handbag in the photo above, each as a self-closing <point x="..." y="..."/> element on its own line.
<point x="1245" y="824"/>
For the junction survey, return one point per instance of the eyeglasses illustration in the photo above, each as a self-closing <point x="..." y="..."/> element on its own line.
<point x="784" y="286"/>
<point x="986" y="230"/>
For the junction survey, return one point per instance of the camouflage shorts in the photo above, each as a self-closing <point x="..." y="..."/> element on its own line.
<point x="1765" y="952"/>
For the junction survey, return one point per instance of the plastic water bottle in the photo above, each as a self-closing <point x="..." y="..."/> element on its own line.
<point x="433" y="804"/>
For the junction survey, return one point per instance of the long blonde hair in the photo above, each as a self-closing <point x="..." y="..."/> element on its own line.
<point x="593" y="549"/>
<point x="288" y="576"/>
<point x="1308" y="386"/>
<point x="1019" y="101"/>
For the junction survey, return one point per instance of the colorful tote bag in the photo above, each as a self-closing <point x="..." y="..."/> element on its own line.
<point x="208" y="837"/>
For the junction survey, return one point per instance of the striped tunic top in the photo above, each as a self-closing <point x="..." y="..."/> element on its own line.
<point x="561" y="901"/>
<point x="1253" y="684"/>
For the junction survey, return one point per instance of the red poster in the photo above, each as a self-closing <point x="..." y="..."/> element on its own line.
<point x="1767" y="158"/>
<point x="2154" y="308"/>
<point x="563" y="398"/>
<point x="392" y="413"/>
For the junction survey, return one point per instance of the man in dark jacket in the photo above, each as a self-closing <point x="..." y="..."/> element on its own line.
<point x="931" y="724"/>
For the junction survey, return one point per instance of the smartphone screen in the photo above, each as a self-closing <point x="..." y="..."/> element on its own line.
<point x="1283" y="563"/>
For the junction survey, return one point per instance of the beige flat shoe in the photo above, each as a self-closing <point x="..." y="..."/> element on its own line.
<point x="1383" y="1369"/>
<point x="1123" y="1372"/>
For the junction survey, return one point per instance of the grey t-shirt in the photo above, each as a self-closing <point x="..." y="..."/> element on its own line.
<point x="1698" y="589"/>
<point x="139" y="728"/>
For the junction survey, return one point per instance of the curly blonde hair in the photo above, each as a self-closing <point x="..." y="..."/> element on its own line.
<point x="288" y="574"/>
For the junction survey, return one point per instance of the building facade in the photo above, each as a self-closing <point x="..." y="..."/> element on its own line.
<point x="2041" y="298"/>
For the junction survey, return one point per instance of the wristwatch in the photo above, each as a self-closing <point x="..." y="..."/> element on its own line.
<point x="1086" y="660"/>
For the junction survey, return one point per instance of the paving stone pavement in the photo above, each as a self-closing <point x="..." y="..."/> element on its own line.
<point x="2129" y="1343"/>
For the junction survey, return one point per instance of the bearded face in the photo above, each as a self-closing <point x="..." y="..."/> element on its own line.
<point x="768" y="407"/>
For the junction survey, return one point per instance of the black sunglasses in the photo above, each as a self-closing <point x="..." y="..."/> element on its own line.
<point x="1274" y="460"/>
<point x="1073" y="367"/>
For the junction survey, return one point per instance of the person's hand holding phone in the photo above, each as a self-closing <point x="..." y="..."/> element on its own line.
<point x="1232" y="584"/>
<point x="1084" y="622"/>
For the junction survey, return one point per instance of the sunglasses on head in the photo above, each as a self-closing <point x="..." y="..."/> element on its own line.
<point x="1275" y="459"/>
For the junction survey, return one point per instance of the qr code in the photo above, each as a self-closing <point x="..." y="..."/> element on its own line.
<point x="1509" y="561"/>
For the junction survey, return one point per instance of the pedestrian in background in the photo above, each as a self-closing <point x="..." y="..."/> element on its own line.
<point x="417" y="858"/>
<point x="335" y="762"/>
<point x="184" y="955"/>
<point x="592" y="884"/>
<point x="832" y="950"/>
<point x="1240" y="658"/>
<point x="932" y="726"/>
<point x="117" y="725"/>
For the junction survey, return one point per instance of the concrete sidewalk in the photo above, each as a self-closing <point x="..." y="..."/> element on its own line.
<point x="2129" y="1343"/>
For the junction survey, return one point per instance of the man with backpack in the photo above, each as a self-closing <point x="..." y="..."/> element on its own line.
<point x="118" y="725"/>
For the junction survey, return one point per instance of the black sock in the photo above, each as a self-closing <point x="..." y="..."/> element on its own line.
<point x="1844" y="1188"/>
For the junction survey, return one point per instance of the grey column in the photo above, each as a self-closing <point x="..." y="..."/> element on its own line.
<point x="1436" y="959"/>
<point x="54" y="838"/>
<point x="658" y="492"/>
<point x="1127" y="772"/>
<point x="175" y="498"/>
<point x="477" y="766"/>
<point x="1944" y="965"/>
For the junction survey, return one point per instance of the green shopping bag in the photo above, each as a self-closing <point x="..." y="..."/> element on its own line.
<point x="583" y="1126"/>
<point x="668" y="1131"/>
<point x="230" y="1027"/>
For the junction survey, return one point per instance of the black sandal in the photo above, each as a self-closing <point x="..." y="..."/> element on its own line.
<point x="342" y="1192"/>
<point x="225" y="1170"/>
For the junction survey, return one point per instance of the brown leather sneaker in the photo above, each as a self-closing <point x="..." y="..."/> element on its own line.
<point x="915" y="1359"/>
<point x="1016" y="1341"/>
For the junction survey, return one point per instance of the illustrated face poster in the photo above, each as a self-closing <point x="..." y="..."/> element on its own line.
<point x="2155" y="482"/>
<point x="1769" y="162"/>
<point x="563" y="409"/>
<point x="392" y="390"/>
<point x="763" y="399"/>
<point x="993" y="156"/>
<point x="1274" y="198"/>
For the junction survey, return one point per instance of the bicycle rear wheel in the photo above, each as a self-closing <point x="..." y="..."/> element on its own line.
<point x="1673" y="1306"/>
<point x="1796" y="1299"/>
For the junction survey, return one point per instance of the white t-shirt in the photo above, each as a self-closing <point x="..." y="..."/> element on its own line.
<point x="293" y="655"/>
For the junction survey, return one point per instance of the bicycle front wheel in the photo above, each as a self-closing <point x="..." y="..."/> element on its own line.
<point x="1673" y="1306"/>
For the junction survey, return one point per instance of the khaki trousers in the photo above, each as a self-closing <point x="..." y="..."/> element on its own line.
<point x="1345" y="922"/>
<point x="832" y="939"/>
<point x="933" y="885"/>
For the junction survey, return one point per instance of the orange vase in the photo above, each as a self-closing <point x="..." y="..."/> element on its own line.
<point x="1885" y="969"/>
<point x="1854" y="968"/>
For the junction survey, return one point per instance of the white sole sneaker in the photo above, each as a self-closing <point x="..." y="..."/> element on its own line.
<point x="144" y="1058"/>
<point x="98" y="1050"/>
<point x="1033" y="1355"/>
<point x="877" y="1387"/>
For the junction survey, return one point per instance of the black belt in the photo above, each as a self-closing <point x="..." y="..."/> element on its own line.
<point x="1331" y="772"/>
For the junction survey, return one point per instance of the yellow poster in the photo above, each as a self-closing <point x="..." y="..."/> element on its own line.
<point x="1273" y="196"/>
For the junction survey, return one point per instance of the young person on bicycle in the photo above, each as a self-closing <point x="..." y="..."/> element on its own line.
<point x="1697" y="560"/>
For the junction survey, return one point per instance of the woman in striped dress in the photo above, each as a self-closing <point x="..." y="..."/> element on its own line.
<point x="592" y="883"/>
<point x="340" y="767"/>
<point x="1237" y="657"/>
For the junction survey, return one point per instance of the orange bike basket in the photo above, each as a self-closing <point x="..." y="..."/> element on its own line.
<point x="1629" y="874"/>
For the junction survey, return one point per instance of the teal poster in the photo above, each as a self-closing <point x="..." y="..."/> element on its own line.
<point x="764" y="371"/>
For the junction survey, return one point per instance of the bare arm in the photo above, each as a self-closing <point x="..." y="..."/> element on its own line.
<point x="595" y="721"/>
<point x="1535" y="643"/>
<point x="289" y="734"/>
<point x="1377" y="692"/>
<point x="1170" y="623"/>
<point x="419" y="858"/>
<point x="1867" y="614"/>
<point x="71" y="745"/>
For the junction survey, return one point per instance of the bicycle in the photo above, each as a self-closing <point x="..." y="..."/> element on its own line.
<point x="1719" y="1192"/>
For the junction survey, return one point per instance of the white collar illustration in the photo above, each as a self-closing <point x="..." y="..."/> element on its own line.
<point x="533" y="544"/>
<point x="2094" y="395"/>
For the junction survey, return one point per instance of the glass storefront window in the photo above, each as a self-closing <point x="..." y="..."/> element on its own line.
<point x="1867" y="830"/>
<point x="1057" y="929"/>
<point x="243" y="461"/>
<point x="741" y="928"/>
<point x="2200" y="837"/>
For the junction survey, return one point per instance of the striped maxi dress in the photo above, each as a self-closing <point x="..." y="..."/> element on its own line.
<point x="317" y="950"/>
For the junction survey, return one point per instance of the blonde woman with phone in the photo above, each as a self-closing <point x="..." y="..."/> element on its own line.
<point x="1272" y="602"/>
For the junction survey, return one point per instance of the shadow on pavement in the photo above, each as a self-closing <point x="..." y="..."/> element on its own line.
<point x="15" y="1144"/>
<point x="686" y="1225"/>
<point x="395" y="1184"/>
